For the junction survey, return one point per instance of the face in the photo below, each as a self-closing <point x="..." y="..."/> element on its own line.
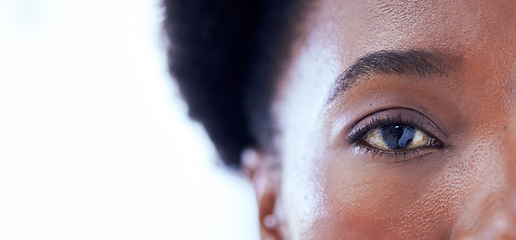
<point x="397" y="121"/>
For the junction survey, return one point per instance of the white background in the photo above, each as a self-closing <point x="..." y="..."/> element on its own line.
<point x="94" y="139"/>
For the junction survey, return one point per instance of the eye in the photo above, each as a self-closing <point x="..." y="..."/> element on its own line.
<point x="397" y="137"/>
<point x="397" y="132"/>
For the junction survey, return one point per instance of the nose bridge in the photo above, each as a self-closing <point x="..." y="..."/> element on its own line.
<point x="508" y="155"/>
<point x="492" y="212"/>
<point x="499" y="212"/>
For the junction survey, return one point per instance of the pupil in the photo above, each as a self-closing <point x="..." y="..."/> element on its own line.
<point x="397" y="136"/>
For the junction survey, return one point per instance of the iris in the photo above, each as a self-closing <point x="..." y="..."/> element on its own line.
<point x="397" y="136"/>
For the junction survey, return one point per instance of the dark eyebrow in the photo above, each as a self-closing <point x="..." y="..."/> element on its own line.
<point x="408" y="62"/>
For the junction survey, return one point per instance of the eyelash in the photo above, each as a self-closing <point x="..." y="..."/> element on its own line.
<point x="399" y="156"/>
<point x="359" y="130"/>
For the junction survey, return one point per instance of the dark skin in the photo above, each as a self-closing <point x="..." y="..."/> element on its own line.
<point x="457" y="182"/>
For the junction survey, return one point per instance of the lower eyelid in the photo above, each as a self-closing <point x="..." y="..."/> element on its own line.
<point x="387" y="156"/>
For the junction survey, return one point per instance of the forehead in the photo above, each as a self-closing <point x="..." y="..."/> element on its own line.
<point x="336" y="33"/>
<point x="456" y="26"/>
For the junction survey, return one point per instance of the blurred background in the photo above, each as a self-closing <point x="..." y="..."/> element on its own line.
<point x="95" y="142"/>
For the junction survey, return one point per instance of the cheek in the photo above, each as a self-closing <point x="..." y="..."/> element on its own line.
<point x="411" y="200"/>
<point x="426" y="198"/>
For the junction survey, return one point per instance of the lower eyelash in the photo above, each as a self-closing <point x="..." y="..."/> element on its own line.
<point x="397" y="156"/>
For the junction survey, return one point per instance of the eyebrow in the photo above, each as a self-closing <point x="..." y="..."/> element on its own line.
<point x="408" y="62"/>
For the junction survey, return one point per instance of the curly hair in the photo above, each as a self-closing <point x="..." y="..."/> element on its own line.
<point x="226" y="56"/>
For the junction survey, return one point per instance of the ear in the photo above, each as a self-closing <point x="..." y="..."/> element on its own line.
<point x="263" y="173"/>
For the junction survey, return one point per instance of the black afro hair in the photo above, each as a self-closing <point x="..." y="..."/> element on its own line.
<point x="226" y="56"/>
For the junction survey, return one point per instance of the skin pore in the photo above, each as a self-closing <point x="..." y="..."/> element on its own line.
<point x="326" y="183"/>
